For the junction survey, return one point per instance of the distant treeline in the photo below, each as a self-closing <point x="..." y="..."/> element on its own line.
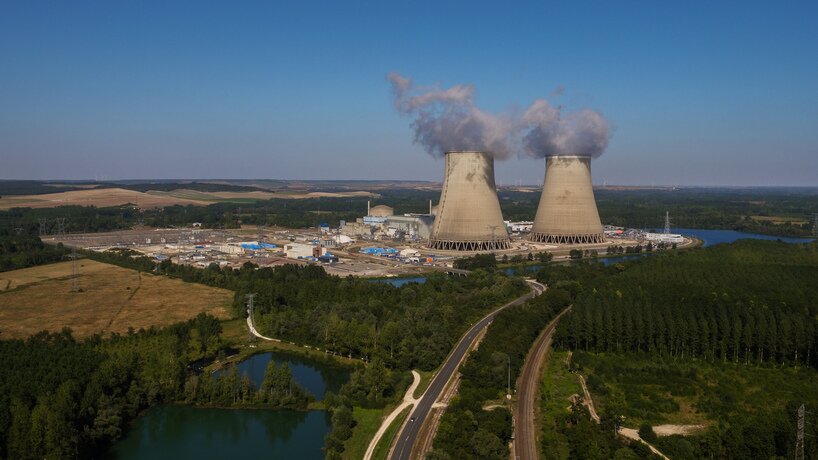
<point x="784" y="212"/>
<point x="708" y="208"/>
<point x="291" y="213"/>
<point x="197" y="186"/>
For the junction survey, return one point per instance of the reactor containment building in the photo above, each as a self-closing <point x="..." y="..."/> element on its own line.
<point x="567" y="212"/>
<point x="468" y="216"/>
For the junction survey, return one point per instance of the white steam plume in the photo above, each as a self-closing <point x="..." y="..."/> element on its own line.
<point x="546" y="132"/>
<point x="448" y="119"/>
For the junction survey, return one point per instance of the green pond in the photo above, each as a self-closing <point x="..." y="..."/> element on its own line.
<point x="181" y="432"/>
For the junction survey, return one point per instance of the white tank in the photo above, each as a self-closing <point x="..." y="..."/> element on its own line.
<point x="468" y="216"/>
<point x="567" y="212"/>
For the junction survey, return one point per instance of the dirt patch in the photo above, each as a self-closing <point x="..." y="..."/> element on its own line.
<point x="112" y="300"/>
<point x="684" y="430"/>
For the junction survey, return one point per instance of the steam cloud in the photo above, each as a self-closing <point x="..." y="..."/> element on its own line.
<point x="448" y="119"/>
<point x="546" y="132"/>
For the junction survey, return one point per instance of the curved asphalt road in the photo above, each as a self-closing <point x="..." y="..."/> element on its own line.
<point x="408" y="434"/>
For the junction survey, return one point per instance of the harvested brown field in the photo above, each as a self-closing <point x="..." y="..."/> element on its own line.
<point x="153" y="199"/>
<point x="112" y="300"/>
<point x="93" y="197"/>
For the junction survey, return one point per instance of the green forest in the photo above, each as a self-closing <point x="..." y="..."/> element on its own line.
<point x="65" y="398"/>
<point x="21" y="251"/>
<point x="681" y="326"/>
<point x="99" y="384"/>
<point x="411" y="327"/>
<point x="751" y="301"/>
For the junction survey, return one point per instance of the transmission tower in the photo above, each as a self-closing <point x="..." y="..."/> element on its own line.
<point x="60" y="229"/>
<point x="667" y="223"/>
<point x="43" y="227"/>
<point x="260" y="234"/>
<point x="799" y="437"/>
<point x="815" y="225"/>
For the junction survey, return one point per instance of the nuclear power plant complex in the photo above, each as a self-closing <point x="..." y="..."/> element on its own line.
<point x="567" y="211"/>
<point x="468" y="218"/>
<point x="468" y="215"/>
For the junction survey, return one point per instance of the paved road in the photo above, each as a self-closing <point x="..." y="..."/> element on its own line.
<point x="408" y="435"/>
<point x="525" y="436"/>
<point x="408" y="400"/>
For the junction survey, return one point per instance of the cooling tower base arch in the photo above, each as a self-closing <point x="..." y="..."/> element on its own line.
<point x="567" y="239"/>
<point x="443" y="245"/>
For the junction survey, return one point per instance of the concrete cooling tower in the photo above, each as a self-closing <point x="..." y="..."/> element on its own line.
<point x="468" y="216"/>
<point x="567" y="212"/>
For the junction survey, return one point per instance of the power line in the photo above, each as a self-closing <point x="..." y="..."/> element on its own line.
<point x="60" y="229"/>
<point x="43" y="227"/>
<point x="815" y="225"/>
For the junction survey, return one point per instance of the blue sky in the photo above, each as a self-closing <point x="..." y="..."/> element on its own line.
<point x="709" y="93"/>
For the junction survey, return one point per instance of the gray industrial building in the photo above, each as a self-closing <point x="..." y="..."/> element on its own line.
<point x="417" y="226"/>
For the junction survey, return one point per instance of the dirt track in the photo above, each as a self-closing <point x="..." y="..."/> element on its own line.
<point x="525" y="441"/>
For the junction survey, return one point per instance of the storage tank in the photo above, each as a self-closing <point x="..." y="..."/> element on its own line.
<point x="567" y="212"/>
<point x="468" y="216"/>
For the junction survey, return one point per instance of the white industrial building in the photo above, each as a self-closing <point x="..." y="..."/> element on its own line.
<point x="519" y="227"/>
<point x="303" y="251"/>
<point x="409" y="252"/>
<point x="665" y="238"/>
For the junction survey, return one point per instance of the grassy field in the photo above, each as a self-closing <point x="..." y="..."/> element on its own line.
<point x="382" y="449"/>
<point x="368" y="421"/>
<point x="690" y="392"/>
<point x="557" y="388"/>
<point x="111" y="299"/>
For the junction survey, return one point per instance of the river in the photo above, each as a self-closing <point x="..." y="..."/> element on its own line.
<point x="711" y="237"/>
<point x="178" y="432"/>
